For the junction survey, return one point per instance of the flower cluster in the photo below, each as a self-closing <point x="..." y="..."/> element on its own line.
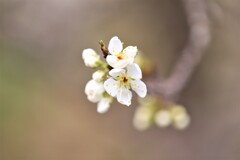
<point x="116" y="78"/>
<point x="149" y="113"/>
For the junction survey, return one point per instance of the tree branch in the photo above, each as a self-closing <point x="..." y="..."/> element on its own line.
<point x="198" y="40"/>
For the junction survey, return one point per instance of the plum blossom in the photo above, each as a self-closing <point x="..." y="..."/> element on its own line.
<point x="122" y="80"/>
<point x="118" y="57"/>
<point x="95" y="93"/>
<point x="116" y="78"/>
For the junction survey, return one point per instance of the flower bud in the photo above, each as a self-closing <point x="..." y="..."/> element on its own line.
<point x="94" y="91"/>
<point x="104" y="104"/>
<point x="163" y="118"/>
<point x="180" y="117"/>
<point x="142" y="118"/>
<point x="181" y="122"/>
<point x="98" y="75"/>
<point x="177" y="110"/>
<point x="90" y="57"/>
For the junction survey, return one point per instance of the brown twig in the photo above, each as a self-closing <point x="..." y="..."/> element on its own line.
<point x="104" y="49"/>
<point x="198" y="40"/>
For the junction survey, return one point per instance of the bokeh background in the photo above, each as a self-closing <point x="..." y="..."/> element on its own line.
<point x="44" y="114"/>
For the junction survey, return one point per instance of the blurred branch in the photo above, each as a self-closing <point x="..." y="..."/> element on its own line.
<point x="198" y="40"/>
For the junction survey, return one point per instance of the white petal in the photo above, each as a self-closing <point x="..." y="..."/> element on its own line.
<point x="115" y="45"/>
<point x="115" y="63"/>
<point x="124" y="96"/>
<point x="122" y="63"/>
<point x="130" y="51"/>
<point x="117" y="72"/>
<point x="111" y="60"/>
<point x="134" y="71"/>
<point x="130" y="60"/>
<point x="103" y="105"/>
<point x="139" y="87"/>
<point x="111" y="87"/>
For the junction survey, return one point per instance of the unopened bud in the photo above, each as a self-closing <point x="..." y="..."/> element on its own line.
<point x="90" y="57"/>
<point x="163" y="118"/>
<point x="98" y="75"/>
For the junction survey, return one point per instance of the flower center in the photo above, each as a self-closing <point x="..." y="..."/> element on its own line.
<point x="119" y="56"/>
<point x="125" y="80"/>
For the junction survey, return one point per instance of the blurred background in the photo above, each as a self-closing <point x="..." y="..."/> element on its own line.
<point x="45" y="115"/>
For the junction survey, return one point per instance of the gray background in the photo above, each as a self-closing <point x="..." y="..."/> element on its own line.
<point x="45" y="114"/>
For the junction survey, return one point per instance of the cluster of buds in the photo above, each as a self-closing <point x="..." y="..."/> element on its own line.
<point x="115" y="78"/>
<point x="175" y="115"/>
<point x="150" y="112"/>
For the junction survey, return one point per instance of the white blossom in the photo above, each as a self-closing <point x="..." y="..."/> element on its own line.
<point x="90" y="57"/>
<point x="94" y="91"/>
<point x="121" y="81"/>
<point x="120" y="58"/>
<point x="163" y="118"/>
<point x="98" y="75"/>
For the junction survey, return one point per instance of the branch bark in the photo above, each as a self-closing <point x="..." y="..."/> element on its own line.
<point x="198" y="40"/>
